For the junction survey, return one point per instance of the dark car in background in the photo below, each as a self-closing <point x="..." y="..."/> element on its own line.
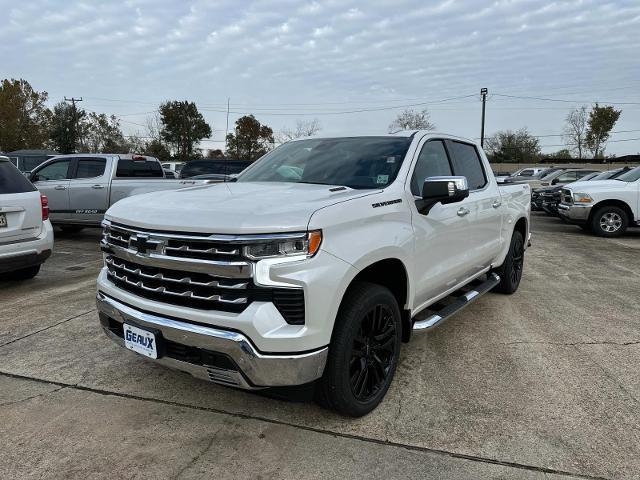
<point x="213" y="167"/>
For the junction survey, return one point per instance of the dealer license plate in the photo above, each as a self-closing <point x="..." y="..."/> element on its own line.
<point x="140" y="341"/>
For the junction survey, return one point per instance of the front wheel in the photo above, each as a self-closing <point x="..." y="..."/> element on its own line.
<point x="364" y="351"/>
<point x="511" y="270"/>
<point x="609" y="221"/>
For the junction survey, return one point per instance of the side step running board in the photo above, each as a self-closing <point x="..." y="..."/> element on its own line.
<point x="458" y="304"/>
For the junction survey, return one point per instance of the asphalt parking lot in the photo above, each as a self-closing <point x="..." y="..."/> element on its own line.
<point x="541" y="384"/>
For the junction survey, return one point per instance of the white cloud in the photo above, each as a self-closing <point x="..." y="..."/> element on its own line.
<point x="325" y="51"/>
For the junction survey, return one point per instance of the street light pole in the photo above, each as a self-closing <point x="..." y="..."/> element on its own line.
<point x="483" y="92"/>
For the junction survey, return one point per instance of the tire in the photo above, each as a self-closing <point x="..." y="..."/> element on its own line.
<point x="609" y="221"/>
<point x="361" y="364"/>
<point x="25" y="273"/>
<point x="71" y="228"/>
<point x="511" y="270"/>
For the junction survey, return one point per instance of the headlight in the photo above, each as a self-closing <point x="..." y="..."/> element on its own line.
<point x="307" y="244"/>
<point x="582" y="198"/>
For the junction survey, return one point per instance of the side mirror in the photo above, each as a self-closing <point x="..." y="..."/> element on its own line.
<point x="442" y="190"/>
<point x="554" y="181"/>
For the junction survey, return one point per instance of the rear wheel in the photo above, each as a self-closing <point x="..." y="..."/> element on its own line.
<point x="511" y="270"/>
<point x="609" y="221"/>
<point x="364" y="351"/>
<point x="25" y="273"/>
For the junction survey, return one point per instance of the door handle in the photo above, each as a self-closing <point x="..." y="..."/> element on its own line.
<point x="59" y="187"/>
<point x="97" y="187"/>
<point x="462" y="211"/>
<point x="496" y="204"/>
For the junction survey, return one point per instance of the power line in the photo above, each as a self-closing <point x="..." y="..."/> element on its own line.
<point x="544" y="99"/>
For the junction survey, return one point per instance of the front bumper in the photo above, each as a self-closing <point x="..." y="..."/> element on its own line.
<point x="574" y="213"/>
<point x="220" y="356"/>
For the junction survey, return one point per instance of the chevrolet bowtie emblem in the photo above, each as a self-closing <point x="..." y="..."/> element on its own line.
<point x="144" y="245"/>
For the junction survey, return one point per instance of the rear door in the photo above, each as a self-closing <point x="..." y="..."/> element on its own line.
<point x="20" y="207"/>
<point x="482" y="207"/>
<point x="88" y="189"/>
<point x="52" y="179"/>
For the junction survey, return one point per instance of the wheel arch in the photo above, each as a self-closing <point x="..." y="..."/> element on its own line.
<point x="390" y="273"/>
<point x="612" y="203"/>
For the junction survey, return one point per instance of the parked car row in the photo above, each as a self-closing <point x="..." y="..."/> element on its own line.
<point x="604" y="203"/>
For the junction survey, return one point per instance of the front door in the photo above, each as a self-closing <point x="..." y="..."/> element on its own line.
<point x="88" y="190"/>
<point x="439" y="234"/>
<point x="52" y="179"/>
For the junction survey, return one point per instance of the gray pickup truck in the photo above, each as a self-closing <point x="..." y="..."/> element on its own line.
<point x="81" y="187"/>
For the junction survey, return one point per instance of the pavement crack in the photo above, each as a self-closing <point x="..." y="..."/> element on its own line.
<point x="46" y="328"/>
<point x="245" y="416"/>
<point x="22" y="400"/>
<point x="573" y="344"/>
<point x="198" y="456"/>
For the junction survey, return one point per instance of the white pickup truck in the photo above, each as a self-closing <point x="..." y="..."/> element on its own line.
<point x="314" y="265"/>
<point x="606" y="208"/>
<point x="81" y="187"/>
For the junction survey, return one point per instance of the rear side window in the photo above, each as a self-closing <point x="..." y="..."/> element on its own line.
<point x="90" y="167"/>
<point x="432" y="162"/>
<point x="12" y="181"/>
<point x="466" y="162"/>
<point x="139" y="169"/>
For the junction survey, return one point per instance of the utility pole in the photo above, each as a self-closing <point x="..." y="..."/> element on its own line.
<point x="75" y="117"/>
<point x="226" y="131"/>
<point x="483" y="92"/>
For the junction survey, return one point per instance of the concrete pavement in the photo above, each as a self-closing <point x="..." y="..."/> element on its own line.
<point x="540" y="384"/>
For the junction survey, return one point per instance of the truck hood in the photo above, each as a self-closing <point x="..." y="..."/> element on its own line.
<point x="595" y="186"/>
<point x="234" y="208"/>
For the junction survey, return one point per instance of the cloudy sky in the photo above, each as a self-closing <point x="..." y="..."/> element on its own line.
<point x="353" y="65"/>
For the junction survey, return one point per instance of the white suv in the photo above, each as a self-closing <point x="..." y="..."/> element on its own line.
<point x="26" y="235"/>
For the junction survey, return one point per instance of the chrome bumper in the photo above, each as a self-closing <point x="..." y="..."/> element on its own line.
<point x="256" y="370"/>
<point x="574" y="212"/>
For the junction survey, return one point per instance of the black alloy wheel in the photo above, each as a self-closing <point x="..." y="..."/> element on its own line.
<point x="373" y="353"/>
<point x="364" y="351"/>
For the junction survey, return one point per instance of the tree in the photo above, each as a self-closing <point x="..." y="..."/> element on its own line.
<point x="64" y="127"/>
<point x="601" y="122"/>
<point x="101" y="134"/>
<point x="157" y="149"/>
<point x="215" y="153"/>
<point x="411" y="120"/>
<point x="303" y="128"/>
<point x="510" y="146"/>
<point x="23" y="116"/>
<point x="251" y="140"/>
<point x="563" y="154"/>
<point x="575" y="131"/>
<point x="183" y="126"/>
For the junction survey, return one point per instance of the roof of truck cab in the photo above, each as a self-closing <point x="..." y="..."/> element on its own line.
<point x="402" y="133"/>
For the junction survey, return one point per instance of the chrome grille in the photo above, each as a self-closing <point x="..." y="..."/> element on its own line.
<point x="196" y="271"/>
<point x="200" y="290"/>
<point x="566" y="197"/>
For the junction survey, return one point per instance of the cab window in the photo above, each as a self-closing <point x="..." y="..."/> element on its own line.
<point x="467" y="163"/>
<point x="57" y="170"/>
<point x="139" y="169"/>
<point x="90" y="167"/>
<point x="432" y="162"/>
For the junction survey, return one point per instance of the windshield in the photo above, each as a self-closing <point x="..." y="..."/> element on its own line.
<point x="356" y="162"/>
<point x="630" y="176"/>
